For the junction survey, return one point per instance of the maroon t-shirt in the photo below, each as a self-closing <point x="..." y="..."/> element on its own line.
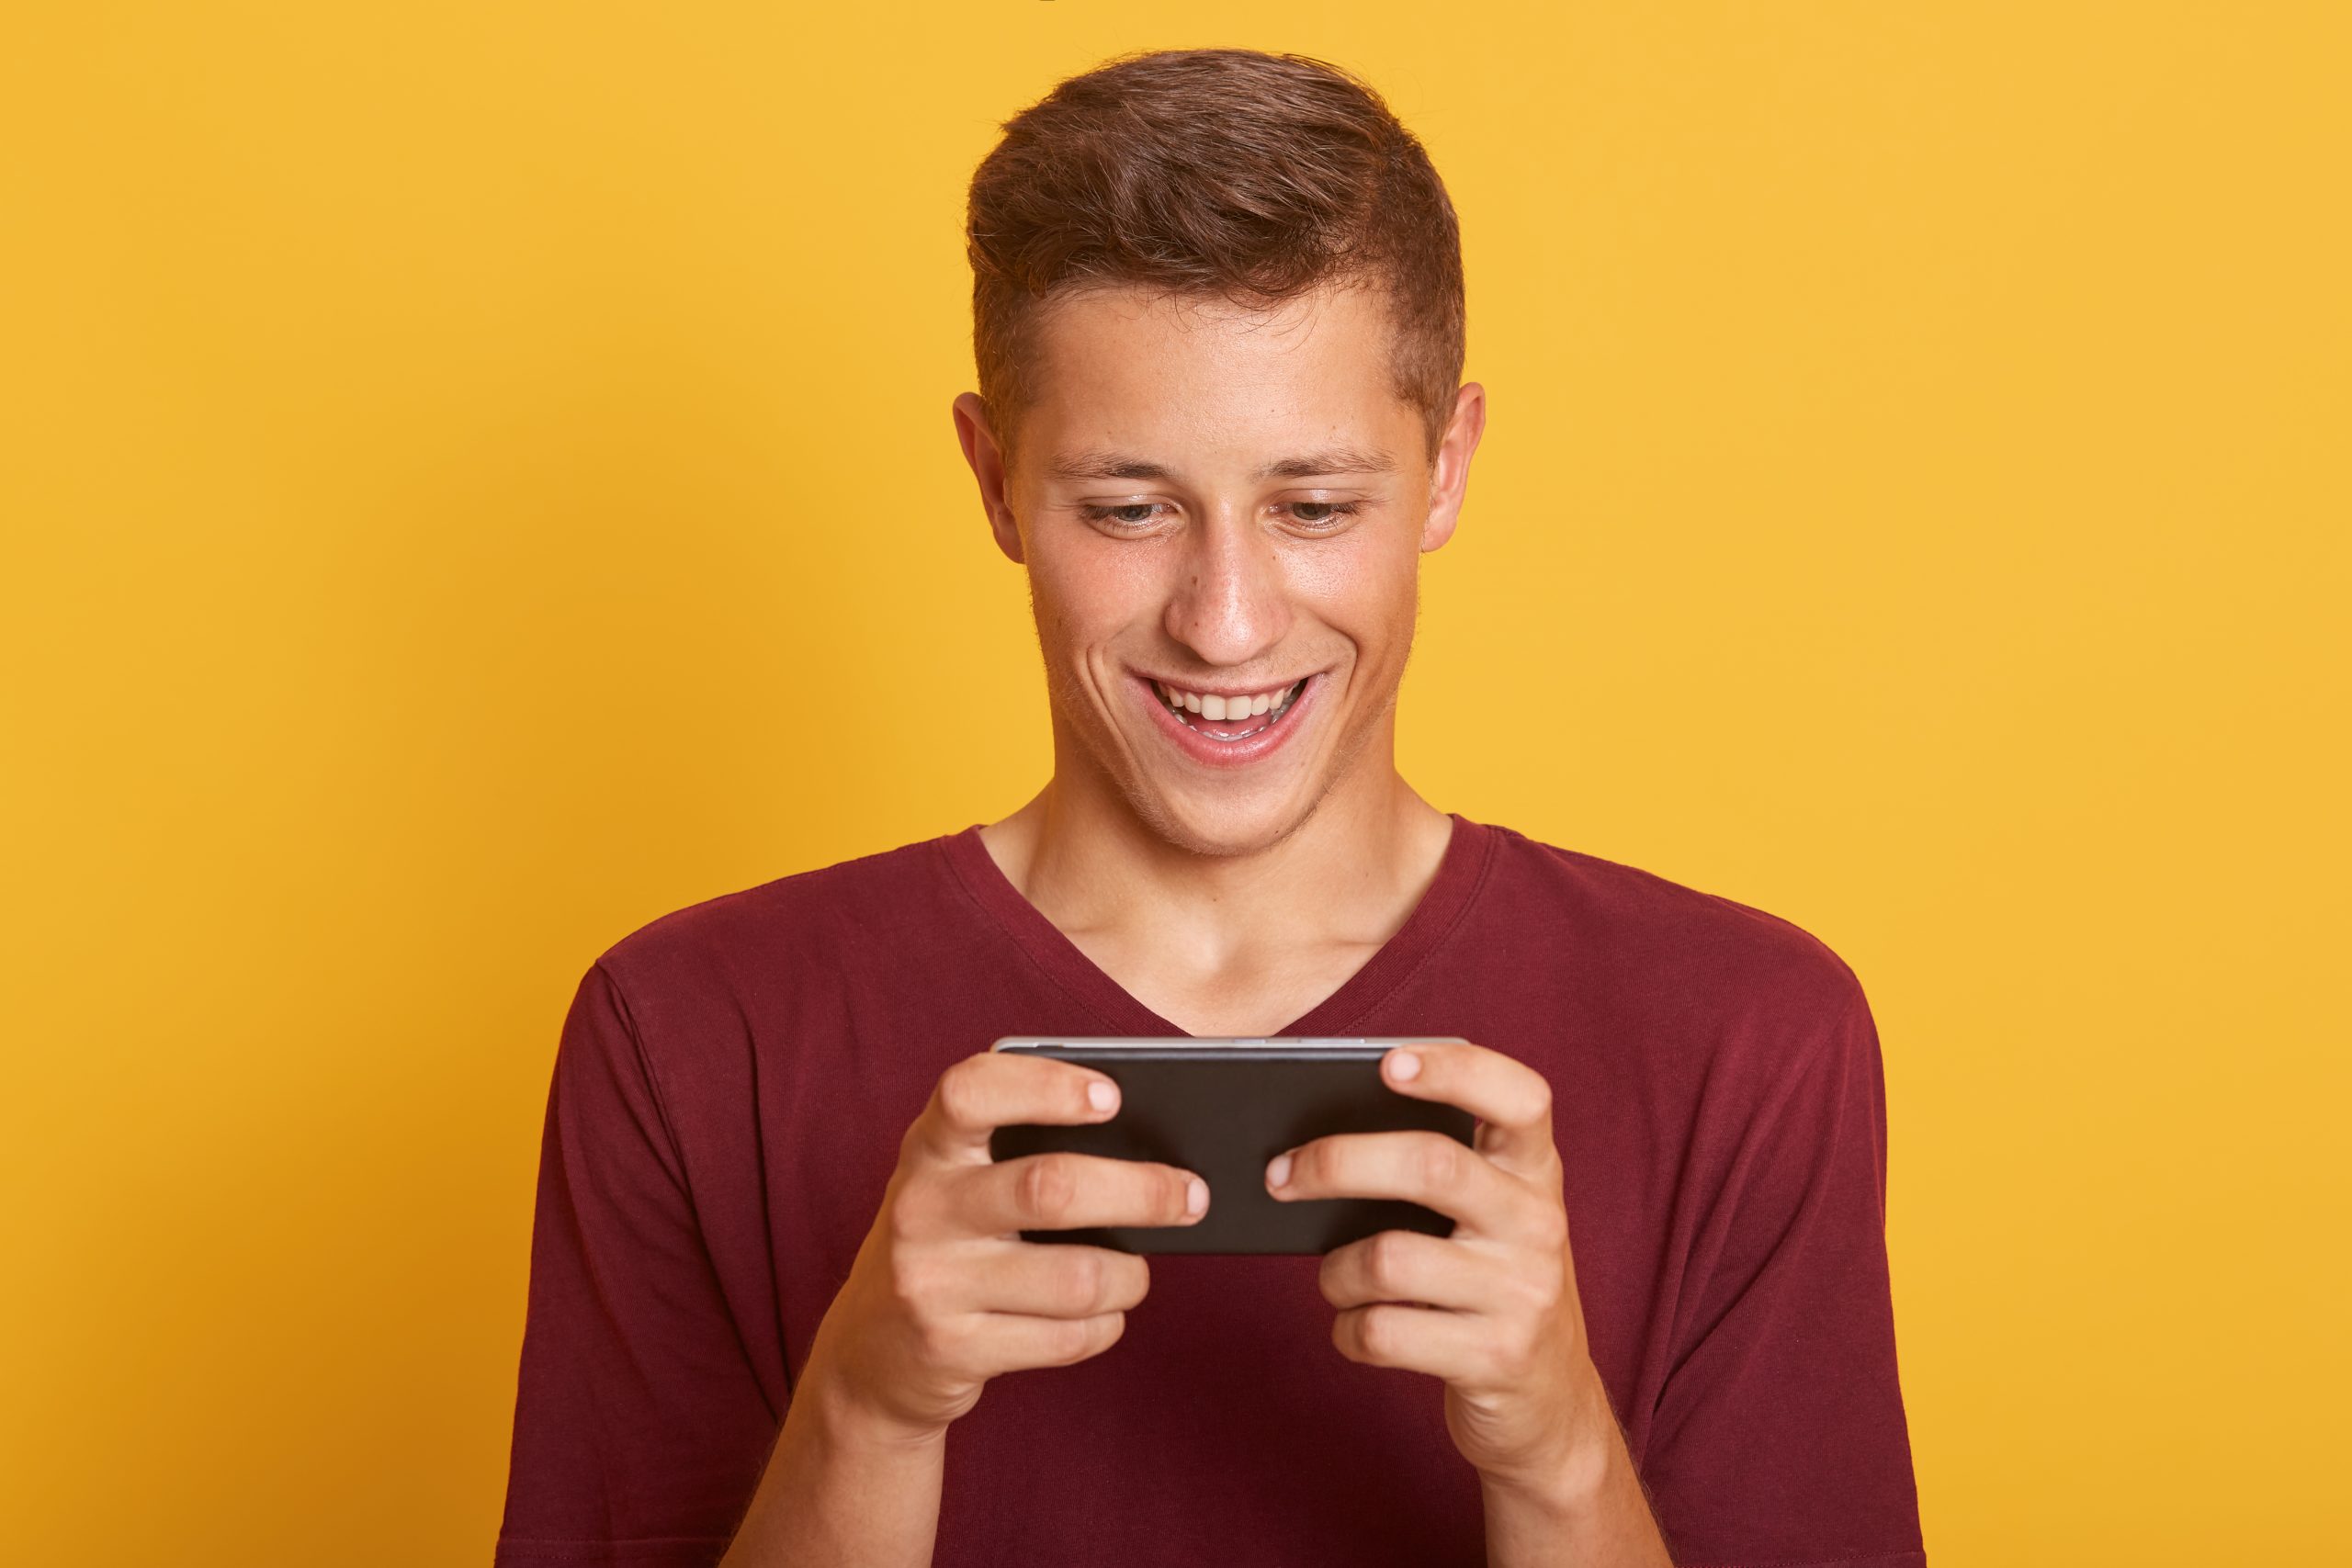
<point x="727" y="1099"/>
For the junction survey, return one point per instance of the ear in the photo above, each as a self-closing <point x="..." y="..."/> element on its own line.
<point x="982" y="451"/>
<point x="1450" y="472"/>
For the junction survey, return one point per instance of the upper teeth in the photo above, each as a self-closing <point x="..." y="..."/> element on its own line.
<point x="1209" y="705"/>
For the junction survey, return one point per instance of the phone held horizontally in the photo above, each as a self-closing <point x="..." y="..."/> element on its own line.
<point x="1223" y="1108"/>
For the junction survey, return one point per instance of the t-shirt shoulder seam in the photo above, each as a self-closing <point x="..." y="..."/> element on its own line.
<point x="659" y="1090"/>
<point x="773" y="886"/>
<point x="653" y="1081"/>
<point x="1683" y="889"/>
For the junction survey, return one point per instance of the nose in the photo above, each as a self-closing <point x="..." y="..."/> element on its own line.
<point x="1229" y="602"/>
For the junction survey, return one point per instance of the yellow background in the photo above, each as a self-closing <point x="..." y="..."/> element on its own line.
<point x="479" y="477"/>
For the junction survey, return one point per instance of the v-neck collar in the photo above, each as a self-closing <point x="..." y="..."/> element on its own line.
<point x="1460" y="872"/>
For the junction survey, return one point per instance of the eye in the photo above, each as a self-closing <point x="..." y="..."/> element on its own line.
<point x="1322" y="515"/>
<point x="1128" y="514"/>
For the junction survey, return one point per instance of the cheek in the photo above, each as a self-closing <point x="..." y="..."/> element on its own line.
<point x="1366" y="589"/>
<point x="1084" y="596"/>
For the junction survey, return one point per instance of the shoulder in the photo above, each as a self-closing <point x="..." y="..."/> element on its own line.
<point x="1666" y="949"/>
<point x="789" y="922"/>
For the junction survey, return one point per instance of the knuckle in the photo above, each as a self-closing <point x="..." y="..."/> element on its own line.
<point x="1068" y="1338"/>
<point x="1384" y="1266"/>
<point x="1536" y="1293"/>
<point x="958" y="1094"/>
<point x="1539" y="1103"/>
<point x="1552" y="1227"/>
<point x="910" y="1208"/>
<point x="1080" y="1284"/>
<point x="912" y="1280"/>
<point x="936" y="1343"/>
<point x="1440" y="1161"/>
<point x="1376" y="1332"/>
<point x="1049" y="1186"/>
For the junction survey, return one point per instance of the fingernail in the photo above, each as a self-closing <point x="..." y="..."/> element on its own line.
<point x="1278" y="1173"/>
<point x="1403" y="1066"/>
<point x="1196" y="1198"/>
<point x="1102" y="1094"/>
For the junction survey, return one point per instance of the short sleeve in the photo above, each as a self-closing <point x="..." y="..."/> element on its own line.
<point x="1780" y="1435"/>
<point x="640" y="1428"/>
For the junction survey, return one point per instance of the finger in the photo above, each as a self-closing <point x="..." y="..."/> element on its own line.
<point x="1425" y="1168"/>
<point x="1406" y="1266"/>
<point x="1513" y="1098"/>
<point x="1056" y="1281"/>
<point x="1446" y="1345"/>
<point x="1012" y="1342"/>
<point x="1065" y="1192"/>
<point x="1002" y="1089"/>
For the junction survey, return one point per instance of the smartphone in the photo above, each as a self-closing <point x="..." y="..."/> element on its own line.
<point x="1222" y="1108"/>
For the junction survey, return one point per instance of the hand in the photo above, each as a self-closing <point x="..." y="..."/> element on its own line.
<point x="944" y="1294"/>
<point x="1491" y="1309"/>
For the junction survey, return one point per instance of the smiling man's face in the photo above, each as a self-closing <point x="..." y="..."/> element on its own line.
<point x="1223" y="513"/>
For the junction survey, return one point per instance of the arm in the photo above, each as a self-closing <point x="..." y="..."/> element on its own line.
<point x="1778" y="1437"/>
<point x="640" y="1414"/>
<point x="641" y="1422"/>
<point x="1779" y="1434"/>
<point x="841" y="1489"/>
<point x="1491" y="1309"/>
<point x="942" y="1296"/>
<point x="1595" y="1513"/>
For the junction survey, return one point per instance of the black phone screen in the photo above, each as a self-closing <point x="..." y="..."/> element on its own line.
<point x="1223" y="1112"/>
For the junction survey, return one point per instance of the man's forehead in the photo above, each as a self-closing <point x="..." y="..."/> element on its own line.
<point x="1132" y="385"/>
<point x="1325" y="340"/>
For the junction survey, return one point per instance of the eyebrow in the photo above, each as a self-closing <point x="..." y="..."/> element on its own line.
<point x="1118" y="465"/>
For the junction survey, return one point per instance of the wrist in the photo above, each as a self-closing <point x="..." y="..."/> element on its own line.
<point x="1572" y="1477"/>
<point x="844" y="1419"/>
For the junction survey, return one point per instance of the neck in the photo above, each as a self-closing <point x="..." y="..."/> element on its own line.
<point x="1349" y="873"/>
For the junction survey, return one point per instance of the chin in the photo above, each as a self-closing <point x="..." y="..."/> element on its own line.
<point x="1206" y="826"/>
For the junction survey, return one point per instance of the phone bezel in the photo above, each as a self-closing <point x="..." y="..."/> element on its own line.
<point x="1208" y="1044"/>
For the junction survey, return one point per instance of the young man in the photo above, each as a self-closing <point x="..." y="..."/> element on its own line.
<point x="779" y="1311"/>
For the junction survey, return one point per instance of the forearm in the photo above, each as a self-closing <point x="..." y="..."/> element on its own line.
<point x="842" y="1490"/>
<point x="1590" y="1512"/>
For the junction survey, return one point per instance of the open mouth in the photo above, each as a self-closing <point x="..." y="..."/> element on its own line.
<point x="1228" y="719"/>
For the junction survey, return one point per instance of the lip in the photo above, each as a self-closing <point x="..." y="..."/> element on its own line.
<point x="1227" y="753"/>
<point x="1224" y="691"/>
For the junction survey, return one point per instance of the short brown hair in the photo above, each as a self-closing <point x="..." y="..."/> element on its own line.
<point x="1230" y="173"/>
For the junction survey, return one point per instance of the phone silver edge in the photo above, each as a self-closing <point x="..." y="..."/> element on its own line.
<point x="1237" y="1042"/>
